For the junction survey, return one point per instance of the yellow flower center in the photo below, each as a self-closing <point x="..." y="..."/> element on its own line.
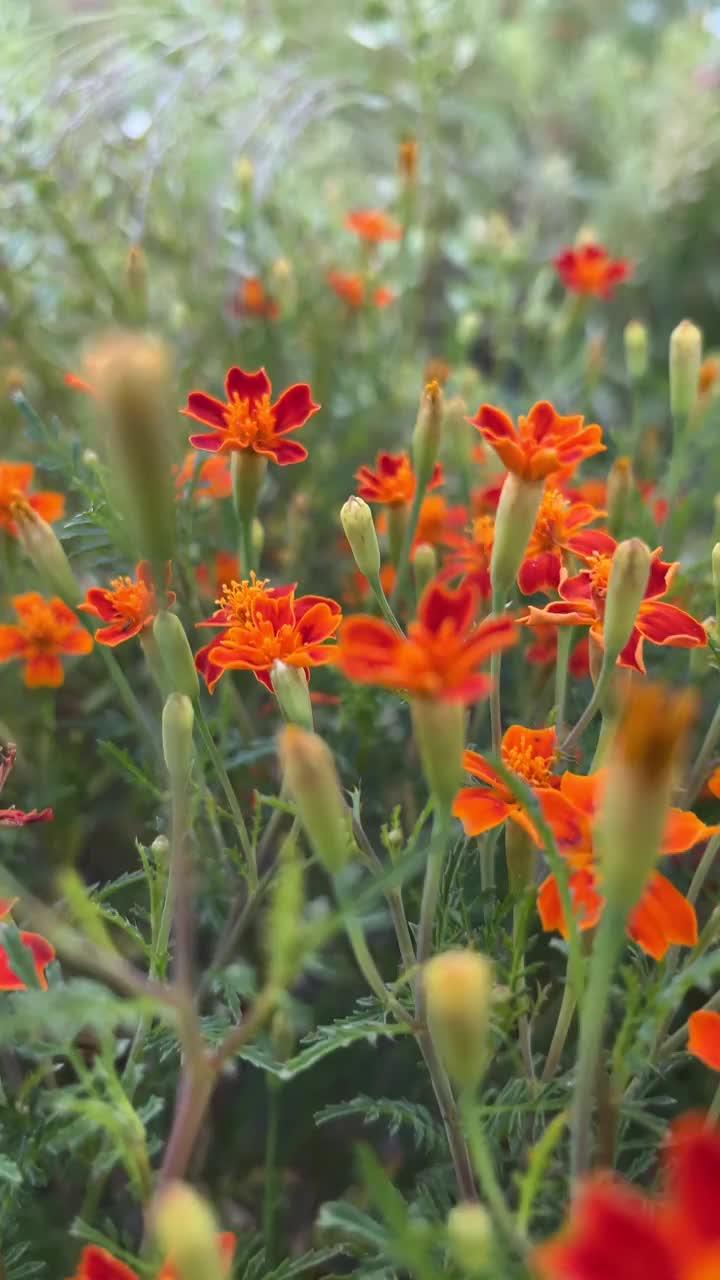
<point x="240" y="599"/>
<point x="524" y="761"/>
<point x="249" y="422"/>
<point x="550" y="521"/>
<point x="483" y="532"/>
<point x="599" y="568"/>
<point x="40" y="627"/>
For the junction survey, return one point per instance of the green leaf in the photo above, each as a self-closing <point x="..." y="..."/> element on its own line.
<point x="9" y="1172"/>
<point x="127" y="766"/>
<point x="353" y="1226"/>
<point x="326" y="1040"/>
<point x="395" y="1113"/>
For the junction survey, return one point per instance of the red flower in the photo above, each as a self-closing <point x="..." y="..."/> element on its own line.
<point x="262" y="625"/>
<point x="373" y="225"/>
<point x="469" y="557"/>
<point x="225" y="569"/>
<point x="15" y="481"/>
<point x="583" y="596"/>
<point x="212" y="476"/>
<point x="616" y="1233"/>
<point x="543" y="442"/>
<point x="663" y="916"/>
<point x="393" y="480"/>
<point x="96" y="1263"/>
<point x="16" y="817"/>
<point x="704" y="1037"/>
<point x="557" y="523"/>
<point x="41" y="951"/>
<point x="251" y="299"/>
<point x="441" y="656"/>
<point x="348" y="285"/>
<point x="247" y="420"/>
<point x="127" y="606"/>
<point x="589" y="269"/>
<point x="45" y="629"/>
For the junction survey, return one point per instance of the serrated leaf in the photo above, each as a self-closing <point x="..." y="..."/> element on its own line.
<point x="353" y="1226"/>
<point x="9" y="1172"/>
<point x="326" y="1040"/>
<point x="131" y="770"/>
<point x="395" y="1113"/>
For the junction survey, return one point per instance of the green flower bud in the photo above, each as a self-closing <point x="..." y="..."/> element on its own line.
<point x="426" y="435"/>
<point x="176" y="654"/>
<point x="628" y="580"/>
<point x="469" y="1235"/>
<point x="458" y="990"/>
<point x="620" y="485"/>
<point x="291" y="690"/>
<point x="439" y="729"/>
<point x="42" y="547"/>
<point x="636" y="349"/>
<point x="514" y="522"/>
<point x="685" y="360"/>
<point x="186" y="1231"/>
<point x="312" y="781"/>
<point x="359" y="526"/>
<point x="177" y="737"/>
<point x="425" y="565"/>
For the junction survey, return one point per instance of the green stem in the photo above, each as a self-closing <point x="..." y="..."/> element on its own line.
<point x="229" y="792"/>
<point x="246" y="543"/>
<point x="485" y="1169"/>
<point x="487" y="861"/>
<point x="403" y="567"/>
<point x="606" y="671"/>
<point x="606" y="950"/>
<point x="703" y="869"/>
<point x="270" y="1182"/>
<point x="384" y="604"/>
<point x="560" y="1034"/>
<point x="564" y="645"/>
<point x="700" y="768"/>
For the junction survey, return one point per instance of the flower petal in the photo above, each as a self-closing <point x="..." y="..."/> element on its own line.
<point x="43" y="671"/>
<point x="12" y="642"/>
<point x="704" y="1037"/>
<point x="208" y="443"/>
<point x="684" y="829"/>
<point x="479" y="809"/>
<point x="662" y="917"/>
<point x="284" y="452"/>
<point x="294" y="408"/>
<point x="247" y="386"/>
<point x="540" y="573"/>
<point x="42" y="953"/>
<point x="207" y="409"/>
<point x="666" y="624"/>
<point x="97" y="1264"/>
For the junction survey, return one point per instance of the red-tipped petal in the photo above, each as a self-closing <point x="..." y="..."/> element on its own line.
<point x="439" y="603"/>
<point x="294" y="408"/>
<point x="540" y="573"/>
<point x="44" y="671"/>
<point x="247" y="386"/>
<point x="42" y="953"/>
<point x="207" y="409"/>
<point x="666" y="624"/>
<point x="285" y="452"/>
<point x="97" y="1264"/>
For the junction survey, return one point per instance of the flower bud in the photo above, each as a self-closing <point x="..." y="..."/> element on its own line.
<point x="284" y="927"/>
<point x="248" y="472"/>
<point x="177" y="737"/>
<point x="425" y="564"/>
<point x="638" y="787"/>
<point x="359" y="527"/>
<point x="290" y="685"/>
<point x="311" y="778"/>
<point x="439" y="728"/>
<point x="176" y="654"/>
<point x="635" y="336"/>
<point x="130" y="375"/>
<point x="685" y="359"/>
<point x="620" y="485"/>
<point x="457" y="433"/>
<point x="186" y="1231"/>
<point x="407" y="159"/>
<point x="397" y="518"/>
<point x="469" y="1236"/>
<point x="426" y="435"/>
<point x="629" y="574"/>
<point x="458" y="989"/>
<point x="514" y="522"/>
<point x="160" y="848"/>
<point x="44" y="550"/>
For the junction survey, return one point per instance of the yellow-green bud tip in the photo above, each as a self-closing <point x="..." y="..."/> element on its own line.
<point x="186" y="1231"/>
<point x="359" y="527"/>
<point x="177" y="732"/>
<point x="469" y="1235"/>
<point x="291" y="690"/>
<point x="312" y="780"/>
<point x="458" y="990"/>
<point x="628" y="579"/>
<point x="685" y="361"/>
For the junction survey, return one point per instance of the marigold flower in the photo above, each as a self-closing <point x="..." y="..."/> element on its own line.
<point x="252" y="299"/>
<point x="16" y="817"/>
<point x="617" y="1233"/>
<point x="127" y="606"/>
<point x="373" y="225"/>
<point x="40" y="949"/>
<point x="589" y="269"/>
<point x="351" y="287"/>
<point x="662" y="917"/>
<point x="393" y="480"/>
<point x="469" y="556"/>
<point x="709" y="374"/>
<point x="225" y="568"/>
<point x="247" y="420"/>
<point x="543" y="441"/>
<point x="583" y="596"/>
<point x="212" y="476"/>
<point x="45" y="629"/>
<point x="704" y="1037"/>
<point x="441" y="656"/>
<point x="96" y="1263"/>
<point x="15" y="483"/>
<point x="557" y="523"/>
<point x="262" y="625"/>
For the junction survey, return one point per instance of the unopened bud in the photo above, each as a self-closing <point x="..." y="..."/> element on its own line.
<point x="620" y="485"/>
<point x="629" y="573"/>
<point x="636" y="349"/>
<point x="458" y="989"/>
<point x="177" y="656"/>
<point x="186" y="1231"/>
<point x="177" y="737"/>
<point x="514" y="523"/>
<point x="407" y="159"/>
<point x="439" y="728"/>
<point x="426" y="435"/>
<point x="160" y="848"/>
<point x="284" y="932"/>
<point x="425" y="564"/>
<point x="90" y="458"/>
<point x="359" y="526"/>
<point x="42" y="547"/>
<point x="291" y="690"/>
<point x="311" y="778"/>
<point x="685" y="360"/>
<point x="638" y="787"/>
<point x="247" y="469"/>
<point x="458" y="435"/>
<point x="469" y="1236"/>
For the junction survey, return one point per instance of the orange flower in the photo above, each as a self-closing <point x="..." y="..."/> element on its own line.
<point x="557" y="525"/>
<point x="350" y="286"/>
<point x="709" y="374"/>
<point x="469" y="557"/>
<point x="211" y="475"/>
<point x="127" y="606"/>
<point x="530" y="753"/>
<point x="373" y="225"/>
<point x="617" y="1233"/>
<point x="261" y="625"/>
<point x="96" y="1263"/>
<point x="41" y="951"/>
<point x="663" y="916"/>
<point x="437" y="522"/>
<point x="45" y="629"/>
<point x="704" y="1037"/>
<point x="543" y="442"/>
<point x="251" y="299"/>
<point x="441" y="656"/>
<point x="225" y="570"/>
<point x="393" y="480"/>
<point x="583" y="594"/>
<point x="15" y="481"/>
<point x="247" y="420"/>
<point x="589" y="269"/>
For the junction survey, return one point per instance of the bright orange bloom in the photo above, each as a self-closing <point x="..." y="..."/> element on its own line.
<point x="582" y="602"/>
<point x="441" y="656"/>
<point x="589" y="269"/>
<point x="393" y="480"/>
<point x="15" y="481"/>
<point x="41" y="951"/>
<point x="350" y="286"/>
<point x="709" y="374"/>
<point x="557" y="524"/>
<point x="469" y="557"/>
<point x="530" y="753"/>
<point x="261" y="625"/>
<point x="247" y="420"/>
<point x="212" y="476"/>
<point x="127" y="606"/>
<point x="251" y="299"/>
<point x="617" y="1233"/>
<point x="45" y="629"/>
<point x="437" y="522"/>
<point x="225" y="569"/>
<point x="543" y="442"/>
<point x="663" y="916"/>
<point x="373" y="225"/>
<point x="17" y="817"/>
<point x="96" y="1263"/>
<point x="704" y="1037"/>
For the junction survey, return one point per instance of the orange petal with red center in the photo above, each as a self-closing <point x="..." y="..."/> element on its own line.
<point x="583" y="790"/>
<point x="666" y="624"/>
<point x="683" y="830"/>
<point x="662" y="918"/>
<point x="479" y="810"/>
<point x="478" y="766"/>
<point x="542" y="742"/>
<point x="704" y="1037"/>
<point x="12" y="642"/>
<point x="568" y="824"/>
